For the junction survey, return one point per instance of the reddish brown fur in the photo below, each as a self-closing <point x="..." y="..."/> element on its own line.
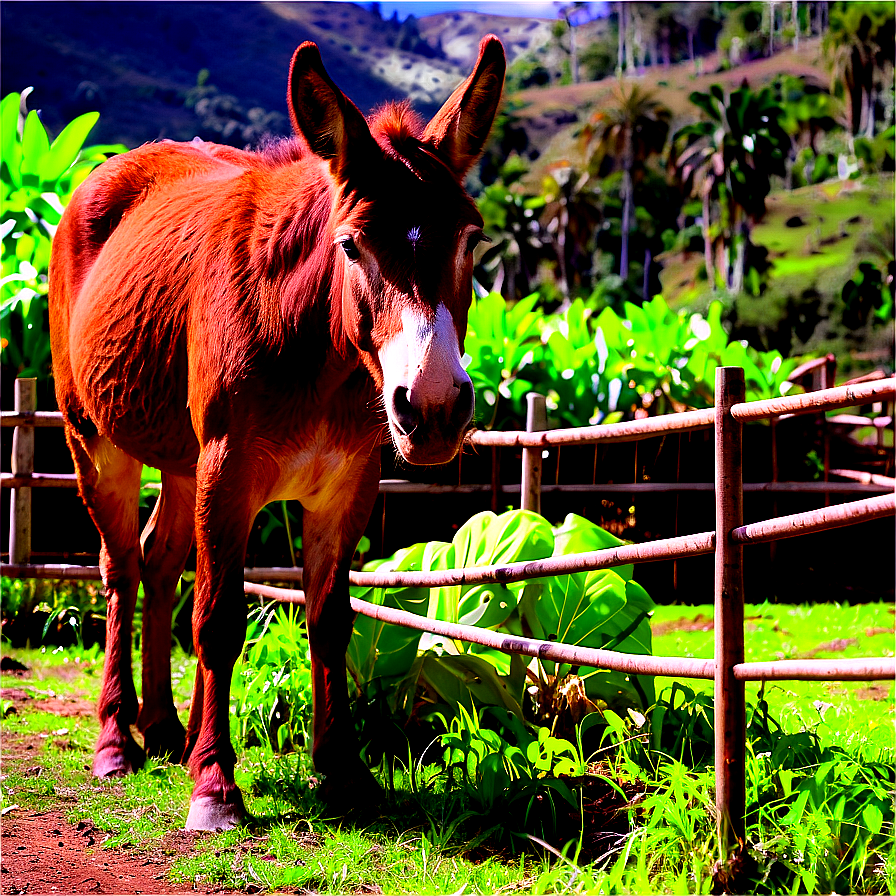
<point x="205" y="320"/>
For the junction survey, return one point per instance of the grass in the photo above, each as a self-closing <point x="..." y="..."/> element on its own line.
<point x="426" y="840"/>
<point x="844" y="712"/>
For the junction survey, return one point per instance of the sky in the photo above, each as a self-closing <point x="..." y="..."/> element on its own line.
<point x="533" y="8"/>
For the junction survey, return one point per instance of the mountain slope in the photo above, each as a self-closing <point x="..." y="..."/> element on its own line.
<point x="457" y="34"/>
<point x="136" y="62"/>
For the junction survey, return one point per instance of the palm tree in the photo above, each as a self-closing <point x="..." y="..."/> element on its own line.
<point x="629" y="131"/>
<point x="727" y="159"/>
<point x="510" y="219"/>
<point x="807" y="112"/>
<point x="572" y="214"/>
<point x="859" y="46"/>
<point x="575" y="14"/>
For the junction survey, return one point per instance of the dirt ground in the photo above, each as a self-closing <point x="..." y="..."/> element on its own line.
<point x="41" y="854"/>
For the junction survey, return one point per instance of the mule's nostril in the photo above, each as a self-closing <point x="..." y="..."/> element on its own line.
<point x="463" y="404"/>
<point x="405" y="418"/>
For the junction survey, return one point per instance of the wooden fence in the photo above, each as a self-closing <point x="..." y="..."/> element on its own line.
<point x="728" y="669"/>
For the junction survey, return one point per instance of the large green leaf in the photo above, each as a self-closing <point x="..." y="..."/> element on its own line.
<point x="379" y="649"/>
<point x="66" y="147"/>
<point x="598" y="609"/>
<point x="35" y="145"/>
<point x="485" y="540"/>
<point x="459" y="680"/>
<point x="9" y="124"/>
<point x="578" y="535"/>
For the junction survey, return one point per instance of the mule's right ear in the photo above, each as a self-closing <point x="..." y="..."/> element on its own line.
<point x="323" y="115"/>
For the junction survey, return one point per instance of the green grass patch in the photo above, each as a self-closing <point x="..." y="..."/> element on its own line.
<point x="849" y="713"/>
<point x="820" y="813"/>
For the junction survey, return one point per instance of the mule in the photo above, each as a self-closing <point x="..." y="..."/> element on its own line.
<point x="256" y="325"/>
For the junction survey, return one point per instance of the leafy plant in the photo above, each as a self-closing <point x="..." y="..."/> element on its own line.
<point x="37" y="179"/>
<point x="427" y="676"/>
<point x="501" y="342"/>
<point x="271" y="686"/>
<point x="604" y="367"/>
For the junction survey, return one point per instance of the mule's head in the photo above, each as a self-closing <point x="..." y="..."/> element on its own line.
<point x="403" y="231"/>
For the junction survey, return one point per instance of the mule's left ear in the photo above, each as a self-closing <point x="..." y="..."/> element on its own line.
<point x="461" y="127"/>
<point x="321" y="113"/>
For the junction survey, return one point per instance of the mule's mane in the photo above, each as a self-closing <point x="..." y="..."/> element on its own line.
<point x="282" y="151"/>
<point x="398" y="131"/>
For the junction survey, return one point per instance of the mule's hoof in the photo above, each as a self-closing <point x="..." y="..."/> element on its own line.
<point x="166" y="738"/>
<point x="209" y="814"/>
<point x="348" y="793"/>
<point x="115" y="762"/>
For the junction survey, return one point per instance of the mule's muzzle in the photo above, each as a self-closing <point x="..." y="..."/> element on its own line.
<point x="430" y="432"/>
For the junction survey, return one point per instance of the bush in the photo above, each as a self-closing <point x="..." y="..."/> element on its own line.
<point x="37" y="179"/>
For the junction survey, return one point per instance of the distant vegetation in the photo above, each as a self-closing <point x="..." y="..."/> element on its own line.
<point x="672" y="178"/>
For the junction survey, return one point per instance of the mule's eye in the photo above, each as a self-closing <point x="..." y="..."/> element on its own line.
<point x="352" y="253"/>
<point x="474" y="239"/>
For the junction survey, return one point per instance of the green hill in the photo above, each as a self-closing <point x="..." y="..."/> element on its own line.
<point x="553" y="116"/>
<point x="137" y="63"/>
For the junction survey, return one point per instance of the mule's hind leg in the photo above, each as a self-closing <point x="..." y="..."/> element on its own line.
<point x="166" y="543"/>
<point x="109" y="481"/>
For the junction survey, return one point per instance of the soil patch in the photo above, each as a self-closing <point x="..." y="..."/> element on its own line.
<point x="44" y="854"/>
<point x="41" y="853"/>
<point x="836" y="646"/>
<point x="699" y="623"/>
<point x="66" y="707"/>
<point x="871" y="632"/>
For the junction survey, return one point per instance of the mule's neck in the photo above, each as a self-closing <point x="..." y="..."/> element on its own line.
<point x="296" y="255"/>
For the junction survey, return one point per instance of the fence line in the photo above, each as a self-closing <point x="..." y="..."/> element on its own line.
<point x="728" y="670"/>
<point x="872" y="483"/>
<point x="661" y="549"/>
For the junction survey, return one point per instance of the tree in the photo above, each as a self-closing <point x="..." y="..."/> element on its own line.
<point x="726" y="159"/>
<point x="629" y="131"/>
<point x="574" y="14"/>
<point x="509" y="215"/>
<point x="808" y="111"/>
<point x="571" y="215"/>
<point x="859" y="46"/>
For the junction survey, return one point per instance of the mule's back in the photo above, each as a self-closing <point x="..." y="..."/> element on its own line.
<point x="118" y="296"/>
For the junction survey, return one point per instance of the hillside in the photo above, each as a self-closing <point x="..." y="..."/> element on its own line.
<point x="136" y="62"/>
<point x="552" y="116"/>
<point x="457" y="34"/>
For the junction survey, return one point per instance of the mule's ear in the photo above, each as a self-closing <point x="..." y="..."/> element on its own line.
<point x="322" y="114"/>
<point x="462" y="125"/>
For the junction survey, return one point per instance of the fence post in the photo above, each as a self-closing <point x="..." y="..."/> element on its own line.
<point x="729" y="613"/>
<point x="22" y="464"/>
<point x="530" y="488"/>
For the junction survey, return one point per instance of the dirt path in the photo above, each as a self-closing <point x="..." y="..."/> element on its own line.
<point x="41" y="854"/>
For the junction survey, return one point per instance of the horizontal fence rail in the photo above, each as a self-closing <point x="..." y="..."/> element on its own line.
<point x="873" y="669"/>
<point x="662" y="549"/>
<point x="860" y="482"/>
<point x="823" y="400"/>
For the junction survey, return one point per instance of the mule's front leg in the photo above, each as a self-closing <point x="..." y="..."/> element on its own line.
<point x="330" y="536"/>
<point x="224" y="513"/>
